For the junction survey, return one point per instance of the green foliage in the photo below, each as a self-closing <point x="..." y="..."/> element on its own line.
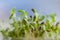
<point x="30" y="24"/>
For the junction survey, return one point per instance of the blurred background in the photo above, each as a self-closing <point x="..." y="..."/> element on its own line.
<point x="43" y="6"/>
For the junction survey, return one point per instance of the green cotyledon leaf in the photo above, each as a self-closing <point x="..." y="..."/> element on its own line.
<point x="53" y="16"/>
<point x="24" y="13"/>
<point x="13" y="11"/>
<point x="41" y="18"/>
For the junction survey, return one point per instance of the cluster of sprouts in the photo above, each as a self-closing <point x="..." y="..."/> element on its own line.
<point x="36" y="25"/>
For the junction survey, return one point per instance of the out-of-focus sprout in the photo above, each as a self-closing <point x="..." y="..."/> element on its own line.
<point x="41" y="18"/>
<point x="23" y="13"/>
<point x="13" y="13"/>
<point x="53" y="17"/>
<point x="35" y="14"/>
